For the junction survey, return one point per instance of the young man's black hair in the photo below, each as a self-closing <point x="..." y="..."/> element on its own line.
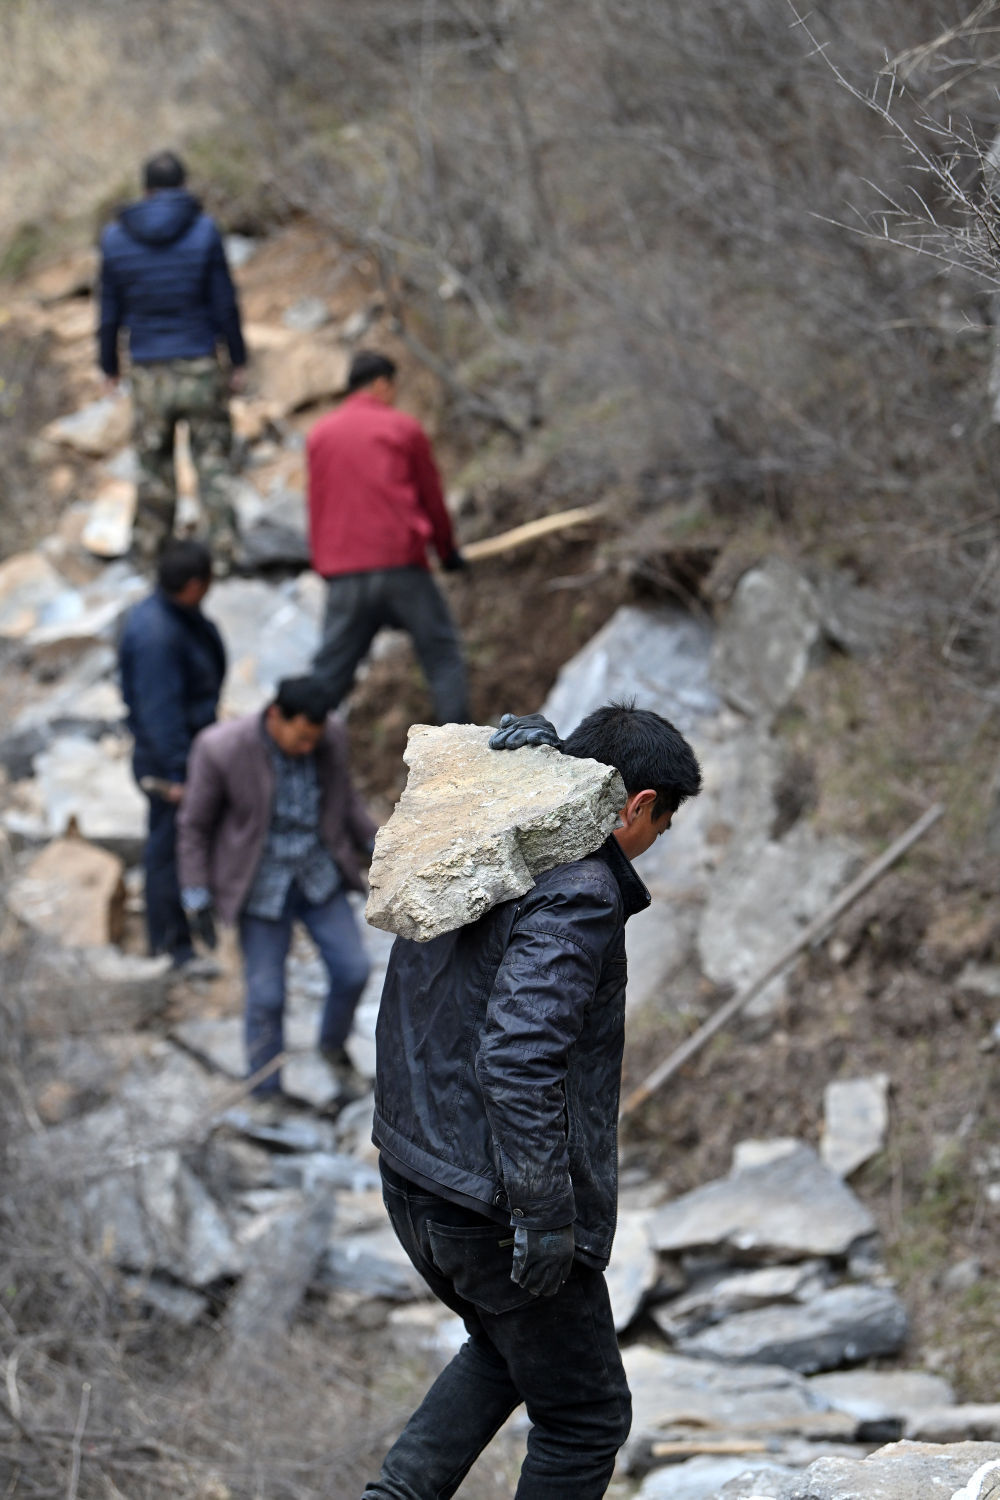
<point x="180" y="562"/>
<point x="368" y="366"/>
<point x="305" y="696"/>
<point x="164" y="170"/>
<point x="645" y="748"/>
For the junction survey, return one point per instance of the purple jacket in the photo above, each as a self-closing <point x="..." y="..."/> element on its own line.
<point x="226" y="810"/>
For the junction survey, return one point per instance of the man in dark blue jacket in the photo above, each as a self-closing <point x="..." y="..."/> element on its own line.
<point x="165" y="279"/>
<point x="499" y="1052"/>
<point x="172" y="663"/>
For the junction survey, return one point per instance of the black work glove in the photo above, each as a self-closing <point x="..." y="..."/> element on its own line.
<point x="454" y="562"/>
<point x="201" y="925"/>
<point x="543" y="1259"/>
<point x="528" y="729"/>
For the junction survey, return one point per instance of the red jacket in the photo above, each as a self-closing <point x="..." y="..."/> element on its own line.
<point x="375" y="497"/>
<point x="226" y="810"/>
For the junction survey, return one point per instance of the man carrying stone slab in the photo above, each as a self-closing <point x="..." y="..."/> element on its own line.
<point x="496" y="1103"/>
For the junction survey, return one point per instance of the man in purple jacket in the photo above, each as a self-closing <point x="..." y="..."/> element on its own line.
<point x="165" y="279"/>
<point x="272" y="832"/>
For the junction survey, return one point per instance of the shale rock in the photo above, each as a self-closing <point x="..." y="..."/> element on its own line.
<point x="901" y="1471"/>
<point x="474" y="826"/>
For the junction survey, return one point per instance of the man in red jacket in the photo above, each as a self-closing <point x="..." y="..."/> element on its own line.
<point x="272" y="832"/>
<point x="375" y="501"/>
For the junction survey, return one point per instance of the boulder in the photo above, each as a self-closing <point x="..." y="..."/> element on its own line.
<point x="108" y="529"/>
<point x="73" y="891"/>
<point x="855" y="1121"/>
<point x="901" y="1471"/>
<point x="474" y="826"/>
<point x="28" y="585"/>
<point x="91" y="784"/>
<point x="632" y="1272"/>
<point x="282" y="1250"/>
<point x="769" y="637"/>
<point x="96" y="429"/>
<point x="791" y="1208"/>
<point x="271" y="631"/>
<point x="843" y="1325"/>
<point x="878" y="1397"/>
<point x="303" y="370"/>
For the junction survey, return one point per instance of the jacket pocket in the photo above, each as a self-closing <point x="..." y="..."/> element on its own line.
<point x="477" y="1261"/>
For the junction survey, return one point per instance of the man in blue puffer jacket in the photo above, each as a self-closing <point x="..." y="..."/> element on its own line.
<point x="165" y="279"/>
<point x="172" y="664"/>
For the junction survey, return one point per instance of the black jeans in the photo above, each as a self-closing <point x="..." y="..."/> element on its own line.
<point x="166" y="924"/>
<point x="559" y="1355"/>
<point x="358" y="605"/>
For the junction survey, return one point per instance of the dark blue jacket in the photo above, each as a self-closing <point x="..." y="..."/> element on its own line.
<point x="164" y="277"/>
<point x="499" y="1054"/>
<point x="172" y="663"/>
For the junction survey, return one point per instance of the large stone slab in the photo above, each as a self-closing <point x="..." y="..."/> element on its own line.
<point x="282" y="1248"/>
<point x="632" y="1272"/>
<point x="715" y="1298"/>
<point x="880" y="1396"/>
<point x="73" y="891"/>
<point x="474" y="827"/>
<point x="787" y="1209"/>
<point x="901" y="1471"/>
<point x="270" y="630"/>
<point x="91" y="786"/>
<point x="767" y="640"/>
<point x="841" y="1326"/>
<point x="28" y="584"/>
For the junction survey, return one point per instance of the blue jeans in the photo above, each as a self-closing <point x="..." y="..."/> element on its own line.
<point x="166" y="924"/>
<point x="265" y="945"/>
<point x="559" y="1355"/>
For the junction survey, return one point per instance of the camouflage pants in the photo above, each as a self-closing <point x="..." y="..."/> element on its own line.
<point x="165" y="393"/>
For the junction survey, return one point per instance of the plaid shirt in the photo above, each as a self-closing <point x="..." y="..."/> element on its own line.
<point x="292" y="850"/>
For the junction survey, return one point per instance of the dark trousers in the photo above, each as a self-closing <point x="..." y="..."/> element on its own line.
<point x="333" y="928"/>
<point x="559" y="1355"/>
<point x="358" y="605"/>
<point x="166" y="924"/>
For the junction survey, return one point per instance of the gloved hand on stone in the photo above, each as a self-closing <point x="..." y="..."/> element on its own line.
<point x="543" y="1259"/>
<point x="527" y="729"/>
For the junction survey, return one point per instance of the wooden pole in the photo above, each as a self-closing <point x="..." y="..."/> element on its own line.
<point x="809" y="934"/>
<point x="506" y="541"/>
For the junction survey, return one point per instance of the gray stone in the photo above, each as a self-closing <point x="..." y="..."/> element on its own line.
<point x="632" y="1271"/>
<point x="474" y="827"/>
<point x="28" y="585"/>
<point x="855" y="1122"/>
<point x="107" y="531"/>
<point x="658" y="656"/>
<point x="767" y="640"/>
<point x="295" y="1133"/>
<point x="157" y="1216"/>
<point x="875" y="1396"/>
<point x="675" y="1398"/>
<point x="91" y="786"/>
<point x="962" y="1275"/>
<point x="372" y="1263"/>
<point x="273" y="526"/>
<point x="714" y="1299"/>
<point x="754" y="1153"/>
<point x="901" y="1471"/>
<point x="83" y="702"/>
<point x="306" y="315"/>
<point x="96" y="429"/>
<point x="271" y="631"/>
<point x="177" y="1303"/>
<point x="761" y="899"/>
<point x="969" y="1421"/>
<point x="980" y="979"/>
<point x="240" y="248"/>
<point x="856" y="619"/>
<point x="844" y="1325"/>
<point x="699" y="1478"/>
<point x="282" y="1250"/>
<point x="792" y="1207"/>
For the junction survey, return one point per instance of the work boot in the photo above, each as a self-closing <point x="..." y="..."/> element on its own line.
<point x="350" y="1083"/>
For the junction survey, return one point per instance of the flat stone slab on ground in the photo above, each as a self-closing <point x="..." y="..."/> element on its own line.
<point x="883" y="1395"/>
<point x="96" y="429"/>
<point x="91" y="784"/>
<point x="793" y="1207"/>
<point x="474" y="827"/>
<point x="73" y="891"/>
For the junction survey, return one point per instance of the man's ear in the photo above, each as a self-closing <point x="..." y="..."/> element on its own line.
<point x="635" y="806"/>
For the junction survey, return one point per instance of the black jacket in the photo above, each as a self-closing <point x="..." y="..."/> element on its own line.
<point x="172" y="664"/>
<point x="499" y="1050"/>
<point x="164" y="277"/>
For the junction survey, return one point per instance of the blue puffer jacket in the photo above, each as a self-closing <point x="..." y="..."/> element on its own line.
<point x="164" y="277"/>
<point x="172" y="664"/>
<point x="499" y="1054"/>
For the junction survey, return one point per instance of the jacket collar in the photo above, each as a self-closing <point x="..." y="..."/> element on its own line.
<point x="635" y="896"/>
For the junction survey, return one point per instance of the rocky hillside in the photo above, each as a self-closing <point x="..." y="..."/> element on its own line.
<point x="604" y="257"/>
